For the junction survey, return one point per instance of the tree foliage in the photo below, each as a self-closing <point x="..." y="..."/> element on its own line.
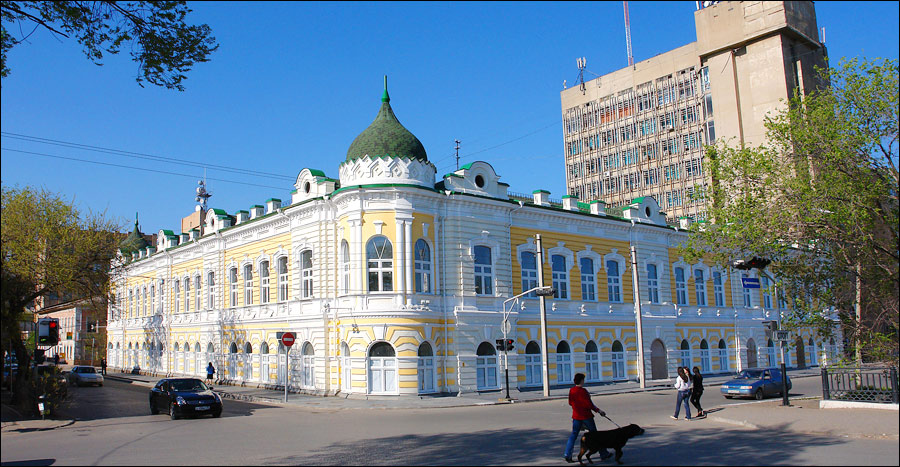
<point x="159" y="40"/>
<point x="49" y="247"/>
<point x="820" y="200"/>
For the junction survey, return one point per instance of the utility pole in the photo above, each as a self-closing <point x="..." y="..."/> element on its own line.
<point x="545" y="368"/>
<point x="638" y="323"/>
<point x="457" y="153"/>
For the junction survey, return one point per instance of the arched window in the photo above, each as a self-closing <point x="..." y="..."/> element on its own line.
<point x="233" y="279"/>
<point x="263" y="282"/>
<point x="283" y="279"/>
<point x="379" y="260"/>
<point x="486" y="366"/>
<point x="652" y="283"/>
<point x="718" y="288"/>
<point x="382" y="369"/>
<point x="700" y="287"/>
<point x="198" y="359"/>
<point x="306" y="274"/>
<point x="588" y="280"/>
<point x="345" y="267"/>
<point x="811" y="351"/>
<point x="705" y="364"/>
<point x="484" y="276"/>
<point x="563" y="363"/>
<point x="752" y="353"/>
<point x="264" y="364"/>
<point x="618" y="360"/>
<point x="685" y="353"/>
<point x="533" y="364"/>
<point x="560" y="275"/>
<point x="770" y="348"/>
<point x="426" y="368"/>
<point x="248" y="284"/>
<point x="591" y="362"/>
<point x="210" y="290"/>
<point x="346" y="370"/>
<point x="529" y="272"/>
<point x="232" y="361"/>
<point x="613" y="281"/>
<point x="423" y="266"/>
<point x="723" y="357"/>
<point x="680" y="287"/>
<point x="308" y="366"/>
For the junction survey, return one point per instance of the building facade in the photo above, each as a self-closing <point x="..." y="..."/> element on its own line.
<point x="394" y="283"/>
<point x="81" y="340"/>
<point x="641" y="130"/>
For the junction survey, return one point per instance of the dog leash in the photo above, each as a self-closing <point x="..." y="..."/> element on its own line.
<point x="614" y="423"/>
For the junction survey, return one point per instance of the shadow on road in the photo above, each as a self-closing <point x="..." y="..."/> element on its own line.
<point x="660" y="445"/>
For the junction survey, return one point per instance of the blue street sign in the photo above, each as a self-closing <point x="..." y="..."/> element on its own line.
<point x="750" y="282"/>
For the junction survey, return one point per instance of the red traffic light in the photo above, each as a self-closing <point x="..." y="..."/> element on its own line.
<point x="52" y="324"/>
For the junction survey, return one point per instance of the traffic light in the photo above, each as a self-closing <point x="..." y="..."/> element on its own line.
<point x="770" y="327"/>
<point x="504" y="344"/>
<point x="48" y="331"/>
<point x="754" y="263"/>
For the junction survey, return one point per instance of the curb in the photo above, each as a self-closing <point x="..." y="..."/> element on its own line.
<point x="21" y="426"/>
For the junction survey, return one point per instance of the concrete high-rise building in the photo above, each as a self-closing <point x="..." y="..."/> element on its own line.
<point x="640" y="131"/>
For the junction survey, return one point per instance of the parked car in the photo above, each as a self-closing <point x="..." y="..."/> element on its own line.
<point x="755" y="382"/>
<point x="82" y="375"/>
<point x="184" y="396"/>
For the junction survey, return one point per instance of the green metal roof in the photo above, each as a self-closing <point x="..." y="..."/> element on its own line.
<point x="134" y="241"/>
<point x="386" y="137"/>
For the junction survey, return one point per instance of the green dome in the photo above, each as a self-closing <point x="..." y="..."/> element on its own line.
<point x="134" y="241"/>
<point x="386" y="137"/>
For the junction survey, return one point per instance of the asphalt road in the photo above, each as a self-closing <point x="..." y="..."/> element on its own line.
<point x="115" y="427"/>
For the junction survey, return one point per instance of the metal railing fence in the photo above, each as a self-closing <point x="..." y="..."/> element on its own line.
<point x="878" y="384"/>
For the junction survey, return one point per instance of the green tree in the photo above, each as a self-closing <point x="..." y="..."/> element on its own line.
<point x="820" y="200"/>
<point x="48" y="247"/>
<point x="155" y="33"/>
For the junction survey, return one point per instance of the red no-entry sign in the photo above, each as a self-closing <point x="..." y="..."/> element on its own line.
<point x="287" y="339"/>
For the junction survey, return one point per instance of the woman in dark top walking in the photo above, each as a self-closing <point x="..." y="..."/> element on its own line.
<point x="697" y="391"/>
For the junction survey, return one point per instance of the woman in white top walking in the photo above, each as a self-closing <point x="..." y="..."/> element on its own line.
<point x="683" y="385"/>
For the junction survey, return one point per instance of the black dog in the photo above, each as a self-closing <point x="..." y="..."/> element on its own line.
<point x="594" y="441"/>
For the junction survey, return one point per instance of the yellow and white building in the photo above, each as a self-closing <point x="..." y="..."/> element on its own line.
<point x="395" y="284"/>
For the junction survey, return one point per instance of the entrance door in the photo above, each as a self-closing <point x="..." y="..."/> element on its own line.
<point x="659" y="368"/>
<point x="801" y="353"/>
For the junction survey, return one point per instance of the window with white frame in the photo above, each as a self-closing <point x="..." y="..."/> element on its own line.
<point x="617" y="356"/>
<point x="685" y="353"/>
<point x="187" y="294"/>
<point x="588" y="280"/>
<point x="144" y="301"/>
<point x="705" y="364"/>
<point x="723" y="356"/>
<point x="197" y="294"/>
<point x="591" y="362"/>
<point x="129" y="307"/>
<point x="748" y="302"/>
<point x="613" y="281"/>
<point x="563" y="363"/>
<point x="306" y="274"/>
<point x="484" y="276"/>
<point x="153" y="309"/>
<point x="529" y="272"/>
<point x="264" y="282"/>
<point x="379" y="261"/>
<point x="486" y="366"/>
<point x="560" y="275"/>
<point x="652" y="283"/>
<point x="308" y="367"/>
<point x="766" y="291"/>
<point x="718" y="288"/>
<point x="233" y="279"/>
<point x="533" y="364"/>
<point x="176" y="294"/>
<point x="700" y="286"/>
<point x="210" y="290"/>
<point x="345" y="266"/>
<point x="425" y="368"/>
<point x="162" y="295"/>
<point x="423" y="266"/>
<point x="283" y="279"/>
<point x="680" y="287"/>
<point x="248" y="284"/>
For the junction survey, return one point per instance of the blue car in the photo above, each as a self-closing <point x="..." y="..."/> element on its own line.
<point x="755" y="382"/>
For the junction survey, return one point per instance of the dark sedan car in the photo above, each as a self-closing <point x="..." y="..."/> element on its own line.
<point x="184" y="396"/>
<point x="755" y="382"/>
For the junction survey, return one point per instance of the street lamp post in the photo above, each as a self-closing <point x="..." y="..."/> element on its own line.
<point x="545" y="368"/>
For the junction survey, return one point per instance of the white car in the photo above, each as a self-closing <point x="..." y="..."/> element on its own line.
<point x="83" y="374"/>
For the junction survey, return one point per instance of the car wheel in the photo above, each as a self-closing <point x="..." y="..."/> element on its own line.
<point x="172" y="413"/>
<point x="217" y="414"/>
<point x="759" y="394"/>
<point x="153" y="409"/>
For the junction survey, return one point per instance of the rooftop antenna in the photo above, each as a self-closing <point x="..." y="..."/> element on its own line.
<point x="582" y="62"/>
<point x="628" y="36"/>
<point x="457" y="153"/>
<point x="202" y="194"/>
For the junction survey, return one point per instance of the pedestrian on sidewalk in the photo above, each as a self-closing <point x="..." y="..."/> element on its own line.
<point x="103" y="366"/>
<point x="697" y="391"/>
<point x="210" y="371"/>
<point x="683" y="386"/>
<point x="582" y="406"/>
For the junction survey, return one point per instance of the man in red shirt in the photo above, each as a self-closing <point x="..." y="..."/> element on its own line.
<point x="580" y="400"/>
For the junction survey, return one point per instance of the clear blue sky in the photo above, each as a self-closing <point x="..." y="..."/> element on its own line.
<point x="292" y="84"/>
